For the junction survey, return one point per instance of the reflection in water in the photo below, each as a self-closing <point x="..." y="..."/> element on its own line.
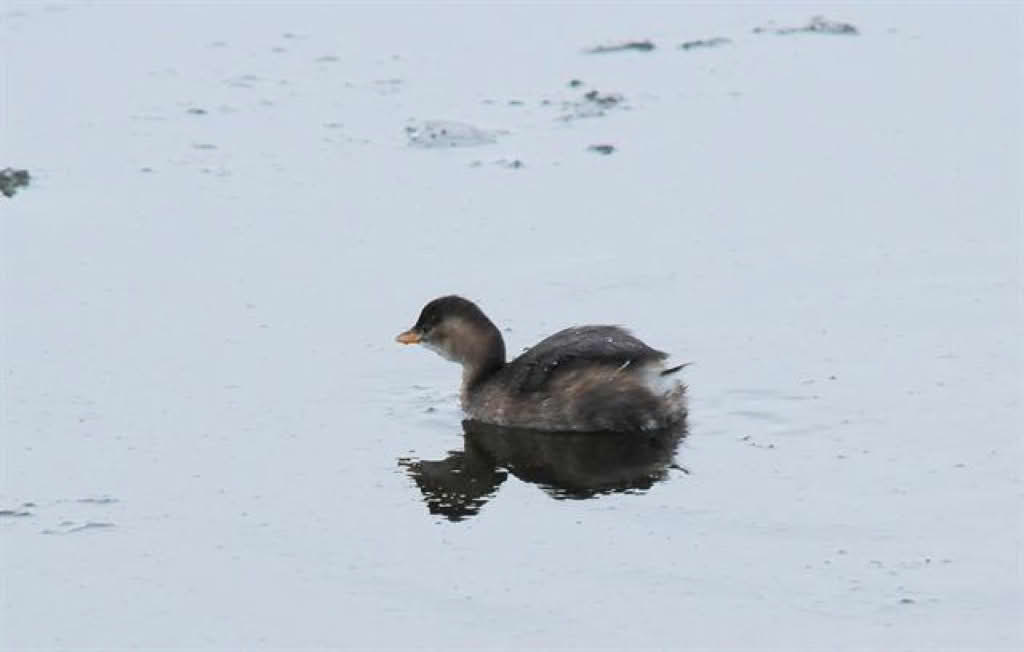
<point x="565" y="465"/>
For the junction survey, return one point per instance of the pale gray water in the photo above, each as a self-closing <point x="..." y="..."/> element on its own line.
<point x="210" y="438"/>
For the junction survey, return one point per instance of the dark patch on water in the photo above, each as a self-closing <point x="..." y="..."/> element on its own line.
<point x="592" y="104"/>
<point x="817" y="25"/>
<point x="635" y="46"/>
<point x="607" y="100"/>
<point x="715" y="42"/>
<point x="11" y="180"/>
<point x="512" y="164"/>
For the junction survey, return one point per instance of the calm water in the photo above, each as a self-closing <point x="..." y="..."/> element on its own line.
<point x="209" y="438"/>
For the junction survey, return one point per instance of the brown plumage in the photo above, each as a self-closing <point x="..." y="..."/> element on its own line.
<point x="585" y="378"/>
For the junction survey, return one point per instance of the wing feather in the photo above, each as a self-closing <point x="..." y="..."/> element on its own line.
<point x="572" y="347"/>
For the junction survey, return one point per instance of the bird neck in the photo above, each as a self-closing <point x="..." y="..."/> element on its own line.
<point x="483" y="357"/>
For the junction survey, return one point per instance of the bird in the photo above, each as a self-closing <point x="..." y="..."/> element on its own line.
<point x="593" y="378"/>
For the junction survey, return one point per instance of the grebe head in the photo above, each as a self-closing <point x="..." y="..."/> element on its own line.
<point x="457" y="330"/>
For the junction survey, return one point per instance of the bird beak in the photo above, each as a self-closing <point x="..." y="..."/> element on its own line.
<point x="408" y="337"/>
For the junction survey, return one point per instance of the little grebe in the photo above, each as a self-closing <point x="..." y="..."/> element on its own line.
<point x="584" y="378"/>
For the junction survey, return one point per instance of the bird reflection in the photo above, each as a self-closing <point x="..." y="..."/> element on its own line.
<point x="565" y="465"/>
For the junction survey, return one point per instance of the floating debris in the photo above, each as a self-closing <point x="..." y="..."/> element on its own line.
<point x="715" y="42"/>
<point x="592" y="105"/>
<point x="444" y="134"/>
<point x="638" y="46"/>
<point x="602" y="149"/>
<point x="11" y="180"/>
<point x="817" y="25"/>
<point x="606" y="100"/>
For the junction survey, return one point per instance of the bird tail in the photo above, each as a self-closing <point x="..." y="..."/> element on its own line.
<point x="668" y="372"/>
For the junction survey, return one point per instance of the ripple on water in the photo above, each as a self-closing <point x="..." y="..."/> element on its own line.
<point x="97" y="500"/>
<point x="14" y="513"/>
<point x="70" y="527"/>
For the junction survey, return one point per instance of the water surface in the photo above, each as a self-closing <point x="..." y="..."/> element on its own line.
<point x="209" y="438"/>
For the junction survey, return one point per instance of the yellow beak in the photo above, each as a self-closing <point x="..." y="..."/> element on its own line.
<point x="408" y="337"/>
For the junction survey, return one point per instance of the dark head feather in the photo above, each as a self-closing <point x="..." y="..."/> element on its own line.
<point x="445" y="307"/>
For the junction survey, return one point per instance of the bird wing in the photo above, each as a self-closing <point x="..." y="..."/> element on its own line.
<point x="579" y="345"/>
